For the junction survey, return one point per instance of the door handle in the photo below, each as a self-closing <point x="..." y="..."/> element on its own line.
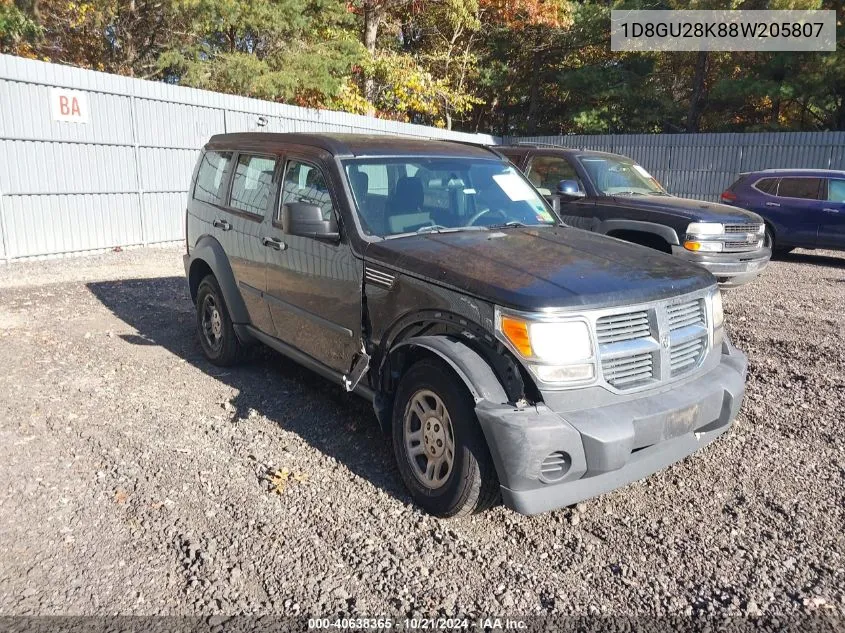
<point x="274" y="242"/>
<point x="772" y="204"/>
<point x="829" y="210"/>
<point x="221" y="224"/>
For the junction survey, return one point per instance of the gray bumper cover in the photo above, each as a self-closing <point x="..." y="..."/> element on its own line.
<point x="731" y="269"/>
<point x="612" y="445"/>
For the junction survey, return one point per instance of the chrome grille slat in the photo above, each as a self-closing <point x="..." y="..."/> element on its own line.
<point x="615" y="328"/>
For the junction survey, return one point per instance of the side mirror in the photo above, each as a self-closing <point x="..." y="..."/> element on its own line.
<point x="306" y="220"/>
<point x="569" y="190"/>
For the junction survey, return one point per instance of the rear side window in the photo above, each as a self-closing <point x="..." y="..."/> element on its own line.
<point x="766" y="185"/>
<point x="252" y="184"/>
<point x="836" y="191"/>
<point x="807" y="188"/>
<point x="210" y="178"/>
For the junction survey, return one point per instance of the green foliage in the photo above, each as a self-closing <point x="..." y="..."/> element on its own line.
<point x="17" y="30"/>
<point x="289" y="50"/>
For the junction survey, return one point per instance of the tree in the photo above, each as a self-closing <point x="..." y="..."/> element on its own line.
<point x="296" y="51"/>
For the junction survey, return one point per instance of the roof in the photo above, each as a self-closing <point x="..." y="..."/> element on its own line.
<point x="819" y="173"/>
<point x="352" y="144"/>
<point x="553" y="150"/>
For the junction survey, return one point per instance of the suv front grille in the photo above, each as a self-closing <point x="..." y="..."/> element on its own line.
<point x="741" y="228"/>
<point x="650" y="345"/>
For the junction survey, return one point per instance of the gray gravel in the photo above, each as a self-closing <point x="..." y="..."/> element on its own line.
<point x="137" y="477"/>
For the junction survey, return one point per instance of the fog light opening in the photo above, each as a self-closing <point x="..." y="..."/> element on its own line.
<point x="555" y="466"/>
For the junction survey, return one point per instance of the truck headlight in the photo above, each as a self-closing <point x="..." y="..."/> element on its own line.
<point x="705" y="228"/>
<point x="556" y="350"/>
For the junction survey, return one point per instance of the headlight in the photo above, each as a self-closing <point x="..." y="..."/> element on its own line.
<point x="557" y="351"/>
<point x="761" y="229"/>
<point x="705" y="228"/>
<point x="703" y="247"/>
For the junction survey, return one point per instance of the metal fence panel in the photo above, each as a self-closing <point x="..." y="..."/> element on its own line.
<point x="121" y="178"/>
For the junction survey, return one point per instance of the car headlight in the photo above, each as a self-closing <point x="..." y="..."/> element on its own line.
<point x="556" y="350"/>
<point x="705" y="228"/>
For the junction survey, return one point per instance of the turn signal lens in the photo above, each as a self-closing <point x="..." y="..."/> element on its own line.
<point x="516" y="332"/>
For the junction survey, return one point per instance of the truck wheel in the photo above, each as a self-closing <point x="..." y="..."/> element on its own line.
<point x="439" y="446"/>
<point x="220" y="344"/>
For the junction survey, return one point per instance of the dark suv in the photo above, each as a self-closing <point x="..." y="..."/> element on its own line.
<point x="613" y="195"/>
<point x="504" y="352"/>
<point x="803" y="208"/>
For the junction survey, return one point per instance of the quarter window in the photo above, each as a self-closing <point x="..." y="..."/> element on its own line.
<point x="836" y="190"/>
<point x="306" y="184"/>
<point x="252" y="185"/>
<point x="210" y="178"/>
<point x="807" y="188"/>
<point x="767" y="185"/>
<point x="547" y="171"/>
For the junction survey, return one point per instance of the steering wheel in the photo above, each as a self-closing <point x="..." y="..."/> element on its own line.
<point x="484" y="212"/>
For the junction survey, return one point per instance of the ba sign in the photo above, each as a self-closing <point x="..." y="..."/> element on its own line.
<point x="69" y="105"/>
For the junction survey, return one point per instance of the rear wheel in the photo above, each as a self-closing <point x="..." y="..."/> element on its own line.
<point x="439" y="446"/>
<point x="220" y="344"/>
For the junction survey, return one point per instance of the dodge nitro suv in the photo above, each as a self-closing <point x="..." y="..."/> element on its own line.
<point x="505" y="353"/>
<point x="613" y="195"/>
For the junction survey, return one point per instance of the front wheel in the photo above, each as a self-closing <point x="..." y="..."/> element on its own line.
<point x="777" y="251"/>
<point x="439" y="446"/>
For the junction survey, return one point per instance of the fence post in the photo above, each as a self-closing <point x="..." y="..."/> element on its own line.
<point x="137" y="156"/>
<point x="7" y="255"/>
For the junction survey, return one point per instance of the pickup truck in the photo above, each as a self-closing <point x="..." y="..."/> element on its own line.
<point x="505" y="353"/>
<point x="613" y="195"/>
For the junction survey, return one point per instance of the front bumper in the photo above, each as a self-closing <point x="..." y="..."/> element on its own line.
<point x="731" y="269"/>
<point x="611" y="445"/>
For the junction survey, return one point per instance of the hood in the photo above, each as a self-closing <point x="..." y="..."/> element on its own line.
<point x="543" y="267"/>
<point x="693" y="210"/>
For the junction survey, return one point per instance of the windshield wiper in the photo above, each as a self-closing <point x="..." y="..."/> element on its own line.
<point x="502" y="225"/>
<point x="628" y="193"/>
<point x="434" y="228"/>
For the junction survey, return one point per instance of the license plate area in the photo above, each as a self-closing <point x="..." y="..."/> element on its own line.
<point x="681" y="422"/>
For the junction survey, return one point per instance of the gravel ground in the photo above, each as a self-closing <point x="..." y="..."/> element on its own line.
<point x="136" y="476"/>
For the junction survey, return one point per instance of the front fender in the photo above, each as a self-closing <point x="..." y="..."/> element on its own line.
<point x="469" y="365"/>
<point x="666" y="232"/>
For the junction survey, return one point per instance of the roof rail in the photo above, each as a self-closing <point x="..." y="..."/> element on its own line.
<point x="537" y="144"/>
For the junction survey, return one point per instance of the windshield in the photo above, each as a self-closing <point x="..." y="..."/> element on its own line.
<point x="618" y="176"/>
<point x="418" y="194"/>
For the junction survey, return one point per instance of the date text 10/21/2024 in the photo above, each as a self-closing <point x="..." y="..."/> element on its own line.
<point x="419" y="624"/>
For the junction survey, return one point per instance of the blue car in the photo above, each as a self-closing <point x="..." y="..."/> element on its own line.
<point x="803" y="208"/>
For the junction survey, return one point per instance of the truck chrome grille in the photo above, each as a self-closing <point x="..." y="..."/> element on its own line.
<point x="651" y="345"/>
<point x="741" y="228"/>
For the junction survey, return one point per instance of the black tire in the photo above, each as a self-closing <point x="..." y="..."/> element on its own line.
<point x="469" y="484"/>
<point x="220" y="344"/>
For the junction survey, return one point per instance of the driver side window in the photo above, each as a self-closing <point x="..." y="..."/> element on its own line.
<point x="545" y="172"/>
<point x="306" y="184"/>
